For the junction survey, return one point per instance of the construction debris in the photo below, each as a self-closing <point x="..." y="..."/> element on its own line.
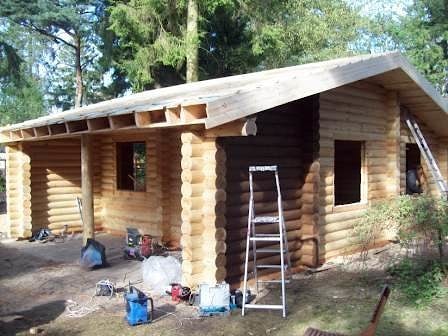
<point x="93" y="255"/>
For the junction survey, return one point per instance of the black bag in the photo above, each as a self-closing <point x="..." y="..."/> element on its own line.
<point x="93" y="254"/>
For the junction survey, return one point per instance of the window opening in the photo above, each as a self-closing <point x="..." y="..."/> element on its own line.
<point x="348" y="172"/>
<point x="414" y="170"/>
<point x="131" y="166"/>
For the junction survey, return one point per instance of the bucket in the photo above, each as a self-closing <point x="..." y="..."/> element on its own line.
<point x="137" y="307"/>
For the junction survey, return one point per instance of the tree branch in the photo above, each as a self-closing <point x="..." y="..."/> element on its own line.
<point x="47" y="34"/>
<point x="88" y="61"/>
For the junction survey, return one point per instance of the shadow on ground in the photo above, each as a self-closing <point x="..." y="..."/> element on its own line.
<point x="37" y="316"/>
<point x="341" y="299"/>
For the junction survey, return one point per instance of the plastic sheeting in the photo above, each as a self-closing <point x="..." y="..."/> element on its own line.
<point x="159" y="272"/>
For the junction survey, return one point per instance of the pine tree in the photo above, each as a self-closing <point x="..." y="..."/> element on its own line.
<point x="69" y="23"/>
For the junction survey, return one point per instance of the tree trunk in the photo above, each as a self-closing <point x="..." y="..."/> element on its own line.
<point x="78" y="69"/>
<point x="192" y="42"/>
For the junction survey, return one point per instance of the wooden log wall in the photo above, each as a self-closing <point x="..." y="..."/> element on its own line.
<point x="18" y="191"/>
<point x="203" y="208"/>
<point x="394" y="164"/>
<point x="359" y="112"/>
<point x="443" y="156"/>
<point x="55" y="184"/>
<point x="280" y="140"/>
<point x="122" y="208"/>
<point x="310" y="190"/>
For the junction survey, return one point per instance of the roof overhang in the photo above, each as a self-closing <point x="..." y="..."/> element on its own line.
<point x="219" y="101"/>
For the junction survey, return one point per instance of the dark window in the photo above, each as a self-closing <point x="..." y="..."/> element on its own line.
<point x="348" y="159"/>
<point x="131" y="166"/>
<point x="414" y="171"/>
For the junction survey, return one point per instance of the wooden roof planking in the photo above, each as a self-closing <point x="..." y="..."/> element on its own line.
<point x="219" y="101"/>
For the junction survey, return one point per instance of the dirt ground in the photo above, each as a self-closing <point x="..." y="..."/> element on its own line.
<point x="37" y="280"/>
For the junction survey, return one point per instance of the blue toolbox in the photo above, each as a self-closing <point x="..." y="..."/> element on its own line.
<point x="137" y="307"/>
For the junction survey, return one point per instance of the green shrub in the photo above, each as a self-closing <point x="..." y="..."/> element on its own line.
<point x="413" y="218"/>
<point x="371" y="225"/>
<point x="419" y="281"/>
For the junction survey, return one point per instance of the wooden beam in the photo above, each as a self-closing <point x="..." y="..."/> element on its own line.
<point x="57" y="129"/>
<point x="193" y="112"/>
<point x="142" y="119"/>
<point x="76" y="126"/>
<point x="172" y="114"/>
<point x="4" y="136"/>
<point x="41" y="131"/>
<point x="122" y="121"/>
<point x="15" y="135"/>
<point x="242" y="127"/>
<point x="27" y="133"/>
<point x="97" y="124"/>
<point x="87" y="187"/>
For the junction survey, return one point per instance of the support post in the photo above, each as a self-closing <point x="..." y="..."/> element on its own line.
<point x="394" y="149"/>
<point x="87" y="188"/>
<point x="443" y="156"/>
<point x="203" y="209"/>
<point x="18" y="191"/>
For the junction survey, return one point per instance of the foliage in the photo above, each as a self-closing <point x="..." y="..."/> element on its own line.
<point x="422" y="34"/>
<point x="21" y="102"/>
<point x="235" y="36"/>
<point x="10" y="63"/>
<point x="142" y="43"/>
<point x="419" y="281"/>
<point x="372" y="224"/>
<point x="69" y="25"/>
<point x="150" y="35"/>
<point x="21" y="94"/>
<point x="295" y="32"/>
<point x="412" y="218"/>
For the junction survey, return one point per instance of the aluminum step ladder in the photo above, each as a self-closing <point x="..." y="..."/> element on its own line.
<point x="279" y="239"/>
<point x="426" y="151"/>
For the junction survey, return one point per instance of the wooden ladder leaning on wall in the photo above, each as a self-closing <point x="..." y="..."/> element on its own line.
<point x="426" y="151"/>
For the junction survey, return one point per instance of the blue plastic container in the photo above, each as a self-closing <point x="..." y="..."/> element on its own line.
<point x="137" y="307"/>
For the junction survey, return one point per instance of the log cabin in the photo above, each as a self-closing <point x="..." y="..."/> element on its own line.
<point x="173" y="162"/>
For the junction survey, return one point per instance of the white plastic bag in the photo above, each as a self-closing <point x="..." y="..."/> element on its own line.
<point x="159" y="272"/>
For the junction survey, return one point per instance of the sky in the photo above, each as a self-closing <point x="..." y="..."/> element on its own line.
<point x="373" y="7"/>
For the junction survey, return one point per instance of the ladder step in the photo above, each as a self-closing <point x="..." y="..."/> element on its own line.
<point x="270" y="266"/>
<point x="266" y="219"/>
<point x="270" y="250"/>
<point x="261" y="306"/>
<point x="266" y="239"/>
<point x="262" y="168"/>
<point x="272" y="281"/>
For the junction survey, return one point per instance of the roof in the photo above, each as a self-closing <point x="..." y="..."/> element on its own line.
<point x="219" y="101"/>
